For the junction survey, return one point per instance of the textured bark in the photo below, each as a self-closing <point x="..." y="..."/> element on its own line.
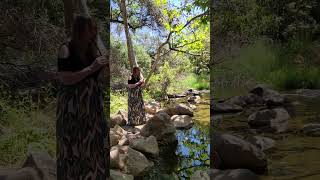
<point x="212" y="153"/>
<point x="72" y="7"/>
<point x="131" y="56"/>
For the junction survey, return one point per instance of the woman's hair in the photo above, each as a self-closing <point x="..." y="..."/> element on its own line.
<point x="135" y="69"/>
<point x="82" y="24"/>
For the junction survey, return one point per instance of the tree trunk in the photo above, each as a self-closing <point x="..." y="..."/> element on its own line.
<point x="212" y="45"/>
<point x="80" y="7"/>
<point x="131" y="56"/>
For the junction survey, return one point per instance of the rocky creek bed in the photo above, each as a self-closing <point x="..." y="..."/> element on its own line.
<point x="172" y="144"/>
<point x="265" y="134"/>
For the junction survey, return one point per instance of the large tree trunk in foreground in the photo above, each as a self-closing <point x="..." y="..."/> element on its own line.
<point x="131" y="56"/>
<point x="80" y="7"/>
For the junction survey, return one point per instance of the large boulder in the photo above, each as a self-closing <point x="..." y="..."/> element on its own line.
<point x="160" y="126"/>
<point x="269" y="96"/>
<point x="129" y="160"/>
<point x="117" y="175"/>
<point x="182" y="121"/>
<point x="152" y="107"/>
<point x="179" y="109"/>
<point x="310" y="93"/>
<point x="27" y="173"/>
<point x="43" y="163"/>
<point x="194" y="99"/>
<point x="312" y="129"/>
<point x="114" y="138"/>
<point x="117" y="119"/>
<point x="246" y="100"/>
<point x="226" y="107"/>
<point x="233" y="174"/>
<point x="236" y="153"/>
<point x="124" y="114"/>
<point x="146" y="145"/>
<point x="264" y="143"/>
<point x="270" y="119"/>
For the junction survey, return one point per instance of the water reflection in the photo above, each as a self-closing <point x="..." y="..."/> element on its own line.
<point x="193" y="150"/>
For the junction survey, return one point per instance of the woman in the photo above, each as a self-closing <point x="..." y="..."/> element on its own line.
<point x="136" y="113"/>
<point x="82" y="132"/>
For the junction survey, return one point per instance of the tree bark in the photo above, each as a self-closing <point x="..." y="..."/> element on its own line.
<point x="131" y="56"/>
<point x="80" y="7"/>
<point x="212" y="44"/>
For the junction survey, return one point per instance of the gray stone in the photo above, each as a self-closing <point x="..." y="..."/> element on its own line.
<point x="226" y="108"/>
<point x="234" y="153"/>
<point x="263" y="143"/>
<point x="182" y="121"/>
<point x="271" y="119"/>
<point x="146" y="145"/>
<point x="117" y="175"/>
<point x="312" y="129"/>
<point x="232" y="174"/>
<point x="160" y="126"/>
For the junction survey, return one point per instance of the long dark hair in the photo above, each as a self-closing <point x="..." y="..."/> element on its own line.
<point x="86" y="52"/>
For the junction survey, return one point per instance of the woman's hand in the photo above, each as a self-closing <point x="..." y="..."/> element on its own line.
<point x="99" y="62"/>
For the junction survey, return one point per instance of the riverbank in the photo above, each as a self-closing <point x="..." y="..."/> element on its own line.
<point x="170" y="144"/>
<point x="269" y="133"/>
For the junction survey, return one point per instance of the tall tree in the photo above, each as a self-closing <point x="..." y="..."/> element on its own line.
<point x="131" y="56"/>
<point x="80" y="7"/>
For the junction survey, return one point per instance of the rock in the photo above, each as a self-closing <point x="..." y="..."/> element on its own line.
<point x="270" y="119"/>
<point x="114" y="138"/>
<point x="123" y="141"/>
<point x="182" y="121"/>
<point x="118" y="130"/>
<point x="182" y="109"/>
<point x="179" y="109"/>
<point x="149" y="116"/>
<point x="192" y="92"/>
<point x="200" y="175"/>
<point x="27" y="173"/>
<point x="194" y="99"/>
<point x="160" y="126"/>
<point x="117" y="175"/>
<point x="312" y="129"/>
<point x="42" y="162"/>
<point x="270" y="96"/>
<point x="146" y="145"/>
<point x="234" y="153"/>
<point x="215" y="120"/>
<point x="310" y="93"/>
<point x="233" y="174"/>
<point x="135" y="162"/>
<point x="117" y="157"/>
<point x="193" y="107"/>
<point x="117" y="119"/>
<point x="152" y="107"/>
<point x="124" y="115"/>
<point x="226" y="108"/>
<point x="176" y="95"/>
<point x="263" y="143"/>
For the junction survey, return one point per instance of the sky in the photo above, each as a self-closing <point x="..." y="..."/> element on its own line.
<point x="145" y="29"/>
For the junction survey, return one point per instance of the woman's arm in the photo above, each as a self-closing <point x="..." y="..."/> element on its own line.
<point x="68" y="77"/>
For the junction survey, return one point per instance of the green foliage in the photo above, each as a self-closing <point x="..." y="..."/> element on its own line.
<point x="274" y="64"/>
<point x="190" y="81"/>
<point x="295" y="78"/>
<point x="118" y="100"/>
<point x="26" y="128"/>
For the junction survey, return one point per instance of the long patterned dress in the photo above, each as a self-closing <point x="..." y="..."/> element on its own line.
<point x="136" y="112"/>
<point x="81" y="129"/>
